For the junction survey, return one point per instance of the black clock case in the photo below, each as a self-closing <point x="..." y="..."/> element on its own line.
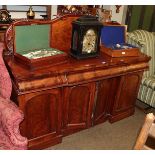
<point x="81" y="25"/>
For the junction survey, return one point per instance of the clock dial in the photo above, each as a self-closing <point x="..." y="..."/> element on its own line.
<point x="89" y="42"/>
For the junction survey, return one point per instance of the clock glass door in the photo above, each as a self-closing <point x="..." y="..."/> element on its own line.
<point x="89" y="42"/>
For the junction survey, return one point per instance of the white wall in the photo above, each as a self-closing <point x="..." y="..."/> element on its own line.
<point x="54" y="11"/>
<point x="119" y="17"/>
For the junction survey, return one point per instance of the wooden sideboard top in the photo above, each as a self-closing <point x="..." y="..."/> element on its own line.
<point x="74" y="71"/>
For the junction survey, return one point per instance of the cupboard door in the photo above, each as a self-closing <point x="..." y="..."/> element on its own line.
<point x="125" y="99"/>
<point x="103" y="93"/>
<point x="77" y="108"/>
<point x="42" y="117"/>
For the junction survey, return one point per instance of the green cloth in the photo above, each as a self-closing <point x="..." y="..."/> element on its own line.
<point x="32" y="37"/>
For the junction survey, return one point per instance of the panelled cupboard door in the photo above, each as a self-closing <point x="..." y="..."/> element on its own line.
<point x="78" y="104"/>
<point x="42" y="114"/>
<point x="125" y="99"/>
<point x="105" y="94"/>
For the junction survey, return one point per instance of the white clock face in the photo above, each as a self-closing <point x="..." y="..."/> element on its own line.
<point x="89" y="41"/>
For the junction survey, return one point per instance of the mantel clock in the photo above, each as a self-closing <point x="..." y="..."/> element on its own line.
<point x="5" y="18"/>
<point x="85" y="37"/>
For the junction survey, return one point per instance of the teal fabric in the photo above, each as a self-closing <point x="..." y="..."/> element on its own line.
<point x="147" y="95"/>
<point x="149" y="82"/>
<point x="145" y="41"/>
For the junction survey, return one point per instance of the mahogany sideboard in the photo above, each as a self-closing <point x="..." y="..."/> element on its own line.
<point x="66" y="98"/>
